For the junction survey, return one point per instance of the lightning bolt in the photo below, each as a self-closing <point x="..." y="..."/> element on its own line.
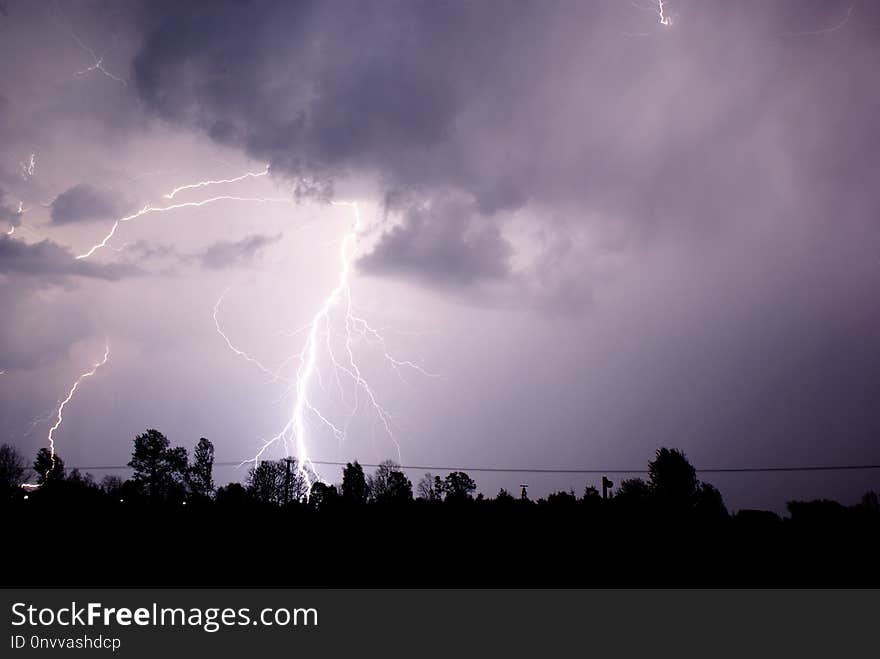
<point x="665" y="20"/>
<point x="60" y="414"/>
<point x="18" y="213"/>
<point x="202" y="184"/>
<point x="320" y="330"/>
<point x="28" y="167"/>
<point x="97" y="62"/>
<point x="241" y="353"/>
<point x="148" y="209"/>
<point x="834" y="28"/>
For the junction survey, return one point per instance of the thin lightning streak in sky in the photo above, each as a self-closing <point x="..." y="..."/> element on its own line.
<point x="202" y="184"/>
<point x="29" y="167"/>
<point x="661" y="11"/>
<point x="241" y="353"/>
<point x="148" y="209"/>
<point x="18" y="214"/>
<point x="97" y="62"/>
<point x="833" y="28"/>
<point x="70" y="394"/>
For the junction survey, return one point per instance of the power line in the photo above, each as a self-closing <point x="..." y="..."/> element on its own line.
<point x="535" y="470"/>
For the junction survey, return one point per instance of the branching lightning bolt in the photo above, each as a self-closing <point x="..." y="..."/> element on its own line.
<point x="241" y="353"/>
<point x="149" y="209"/>
<point x="320" y="332"/>
<point x="319" y="339"/>
<point x="97" y="62"/>
<point x="60" y="414"/>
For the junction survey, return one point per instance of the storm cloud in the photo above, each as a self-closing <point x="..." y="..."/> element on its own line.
<point x="84" y="203"/>
<point x="224" y="254"/>
<point x="609" y="234"/>
<point x="518" y="108"/>
<point x="441" y="244"/>
<point x="50" y="262"/>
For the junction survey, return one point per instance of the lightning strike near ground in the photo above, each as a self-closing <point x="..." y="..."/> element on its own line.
<point x="318" y="344"/>
<point x="60" y="415"/>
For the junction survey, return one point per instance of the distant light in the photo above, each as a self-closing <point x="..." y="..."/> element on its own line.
<point x="25" y="497"/>
<point x="184" y="503"/>
<point x="122" y="501"/>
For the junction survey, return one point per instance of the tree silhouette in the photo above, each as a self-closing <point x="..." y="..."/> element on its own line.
<point x="112" y="485"/>
<point x="48" y="469"/>
<point x="11" y="470"/>
<point x="561" y="498"/>
<point x="672" y="479"/>
<point x="389" y="485"/>
<point x="201" y="472"/>
<point x="265" y="482"/>
<point x="504" y="497"/>
<point x="354" y="484"/>
<point x="399" y="488"/>
<point x="458" y="487"/>
<point x="633" y="493"/>
<point x="426" y="489"/>
<point x="708" y="502"/>
<point x="323" y="496"/>
<point x="377" y="482"/>
<point x="161" y="471"/>
<point x="233" y="495"/>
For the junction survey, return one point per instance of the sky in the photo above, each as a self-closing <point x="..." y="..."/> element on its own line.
<point x="587" y="230"/>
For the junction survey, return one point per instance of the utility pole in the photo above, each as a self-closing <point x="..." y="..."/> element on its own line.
<point x="287" y="481"/>
<point x="606" y="485"/>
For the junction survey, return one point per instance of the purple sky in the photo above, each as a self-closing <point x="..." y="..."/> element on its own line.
<point x="603" y="234"/>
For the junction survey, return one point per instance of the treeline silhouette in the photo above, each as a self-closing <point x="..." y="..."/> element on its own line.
<point x="168" y="525"/>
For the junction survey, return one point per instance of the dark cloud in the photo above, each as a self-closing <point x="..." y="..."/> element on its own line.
<point x="230" y="254"/>
<point x="568" y="109"/>
<point x="442" y="243"/>
<point x="50" y="262"/>
<point x="84" y="203"/>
